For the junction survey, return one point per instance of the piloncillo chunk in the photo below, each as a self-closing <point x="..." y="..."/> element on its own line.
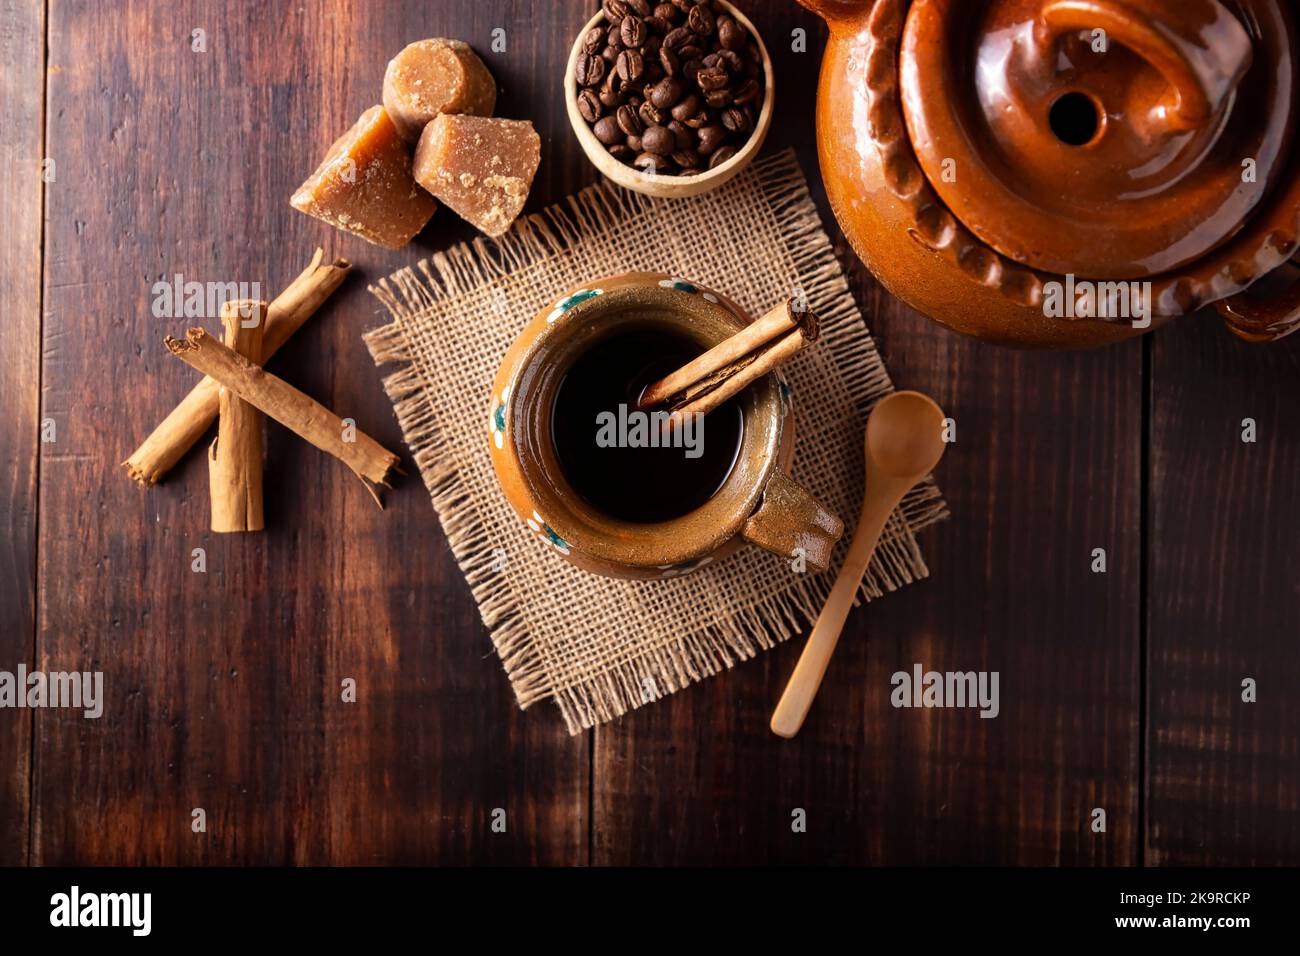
<point x="436" y="76"/>
<point x="364" y="185"/>
<point x="481" y="168"/>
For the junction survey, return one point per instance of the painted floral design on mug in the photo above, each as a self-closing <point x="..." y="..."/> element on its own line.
<point x="569" y="301"/>
<point x="686" y="567"/>
<point x="497" y="420"/>
<point x="683" y="285"/>
<point x="547" y="533"/>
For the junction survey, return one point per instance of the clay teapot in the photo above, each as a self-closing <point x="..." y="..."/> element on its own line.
<point x="1068" y="173"/>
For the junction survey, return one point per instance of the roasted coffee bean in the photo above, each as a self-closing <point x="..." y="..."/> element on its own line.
<point x="688" y="159"/>
<point x="609" y="55"/>
<point x="652" y="115"/>
<point x="629" y="121"/>
<point x="607" y="131"/>
<point x="630" y="65"/>
<point x="610" y="97"/>
<point x="621" y="152"/>
<point x="653" y="73"/>
<point x="635" y="100"/>
<point x="658" y="139"/>
<point x="666" y="11"/>
<point x="633" y="143"/>
<point x="640" y="7"/>
<point x="667" y="92"/>
<point x="711" y="60"/>
<point x="653" y="163"/>
<point x="690" y="67"/>
<point x="588" y="70"/>
<point x="658" y="27"/>
<point x="711" y="78"/>
<point x="615" y="10"/>
<point x="734" y="62"/>
<point x="735" y="120"/>
<point x="594" y="40"/>
<point x="748" y="92"/>
<point x="689" y="51"/>
<point x="731" y="34"/>
<point x="669" y="61"/>
<point x="633" y="31"/>
<point x="701" y="119"/>
<point x="686" y="107"/>
<point x="683" y="134"/>
<point x="684" y="5"/>
<point x="721" y="156"/>
<point x="652" y="45"/>
<point x="711" y="137"/>
<point x="677" y="37"/>
<point x="700" y="19"/>
<point x="719" y="98"/>
<point x="589" y="106"/>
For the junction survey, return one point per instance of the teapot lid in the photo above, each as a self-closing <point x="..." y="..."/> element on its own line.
<point x="1115" y="139"/>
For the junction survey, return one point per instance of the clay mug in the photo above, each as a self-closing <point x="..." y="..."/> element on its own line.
<point x="757" y="502"/>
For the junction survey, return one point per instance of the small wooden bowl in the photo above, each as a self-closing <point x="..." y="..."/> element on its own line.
<point x="654" y="184"/>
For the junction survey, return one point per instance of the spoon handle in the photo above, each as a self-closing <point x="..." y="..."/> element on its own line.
<point x="807" y="677"/>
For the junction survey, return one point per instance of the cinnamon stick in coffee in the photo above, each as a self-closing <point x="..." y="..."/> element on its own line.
<point x="706" y="382"/>
<point x="191" y="418"/>
<point x="299" y="413"/>
<point x="235" y="455"/>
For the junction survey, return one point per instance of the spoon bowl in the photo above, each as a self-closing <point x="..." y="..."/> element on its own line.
<point x="905" y="435"/>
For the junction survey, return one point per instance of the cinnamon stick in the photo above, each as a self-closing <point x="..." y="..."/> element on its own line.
<point x="191" y="418"/>
<point x="235" y="455"/>
<point x="707" y="381"/>
<point x="300" y="413"/>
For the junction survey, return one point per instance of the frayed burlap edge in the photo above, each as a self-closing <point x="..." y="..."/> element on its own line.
<point x="686" y="658"/>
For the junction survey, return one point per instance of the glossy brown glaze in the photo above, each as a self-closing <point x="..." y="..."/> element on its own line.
<point x="981" y="155"/>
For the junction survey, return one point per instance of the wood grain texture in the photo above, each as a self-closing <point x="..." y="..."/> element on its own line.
<point x="224" y="688"/>
<point x="1223" y="774"/>
<point x="22" y="95"/>
<point x="1045" y="468"/>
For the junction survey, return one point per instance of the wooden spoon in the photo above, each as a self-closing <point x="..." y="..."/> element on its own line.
<point x="904" y="442"/>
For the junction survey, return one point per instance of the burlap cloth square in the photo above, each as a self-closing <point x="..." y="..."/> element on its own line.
<point x="596" y="646"/>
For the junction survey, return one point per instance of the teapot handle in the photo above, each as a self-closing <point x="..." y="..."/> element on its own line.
<point x="1256" y="319"/>
<point x="792" y="523"/>
<point x="1200" y="48"/>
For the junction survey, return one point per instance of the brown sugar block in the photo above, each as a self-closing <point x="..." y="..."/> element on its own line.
<point x="436" y="76"/>
<point x="364" y="185"/>
<point x="480" y="167"/>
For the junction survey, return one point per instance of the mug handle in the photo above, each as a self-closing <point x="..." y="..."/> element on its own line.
<point x="789" y="520"/>
<point x="1256" y="319"/>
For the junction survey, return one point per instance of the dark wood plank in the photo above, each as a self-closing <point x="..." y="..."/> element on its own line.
<point x="1224" y="600"/>
<point x="1046" y="468"/>
<point x="22" y="100"/>
<point x="224" y="688"/>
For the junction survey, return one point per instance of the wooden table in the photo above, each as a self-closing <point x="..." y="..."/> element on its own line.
<point x="1119" y="690"/>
